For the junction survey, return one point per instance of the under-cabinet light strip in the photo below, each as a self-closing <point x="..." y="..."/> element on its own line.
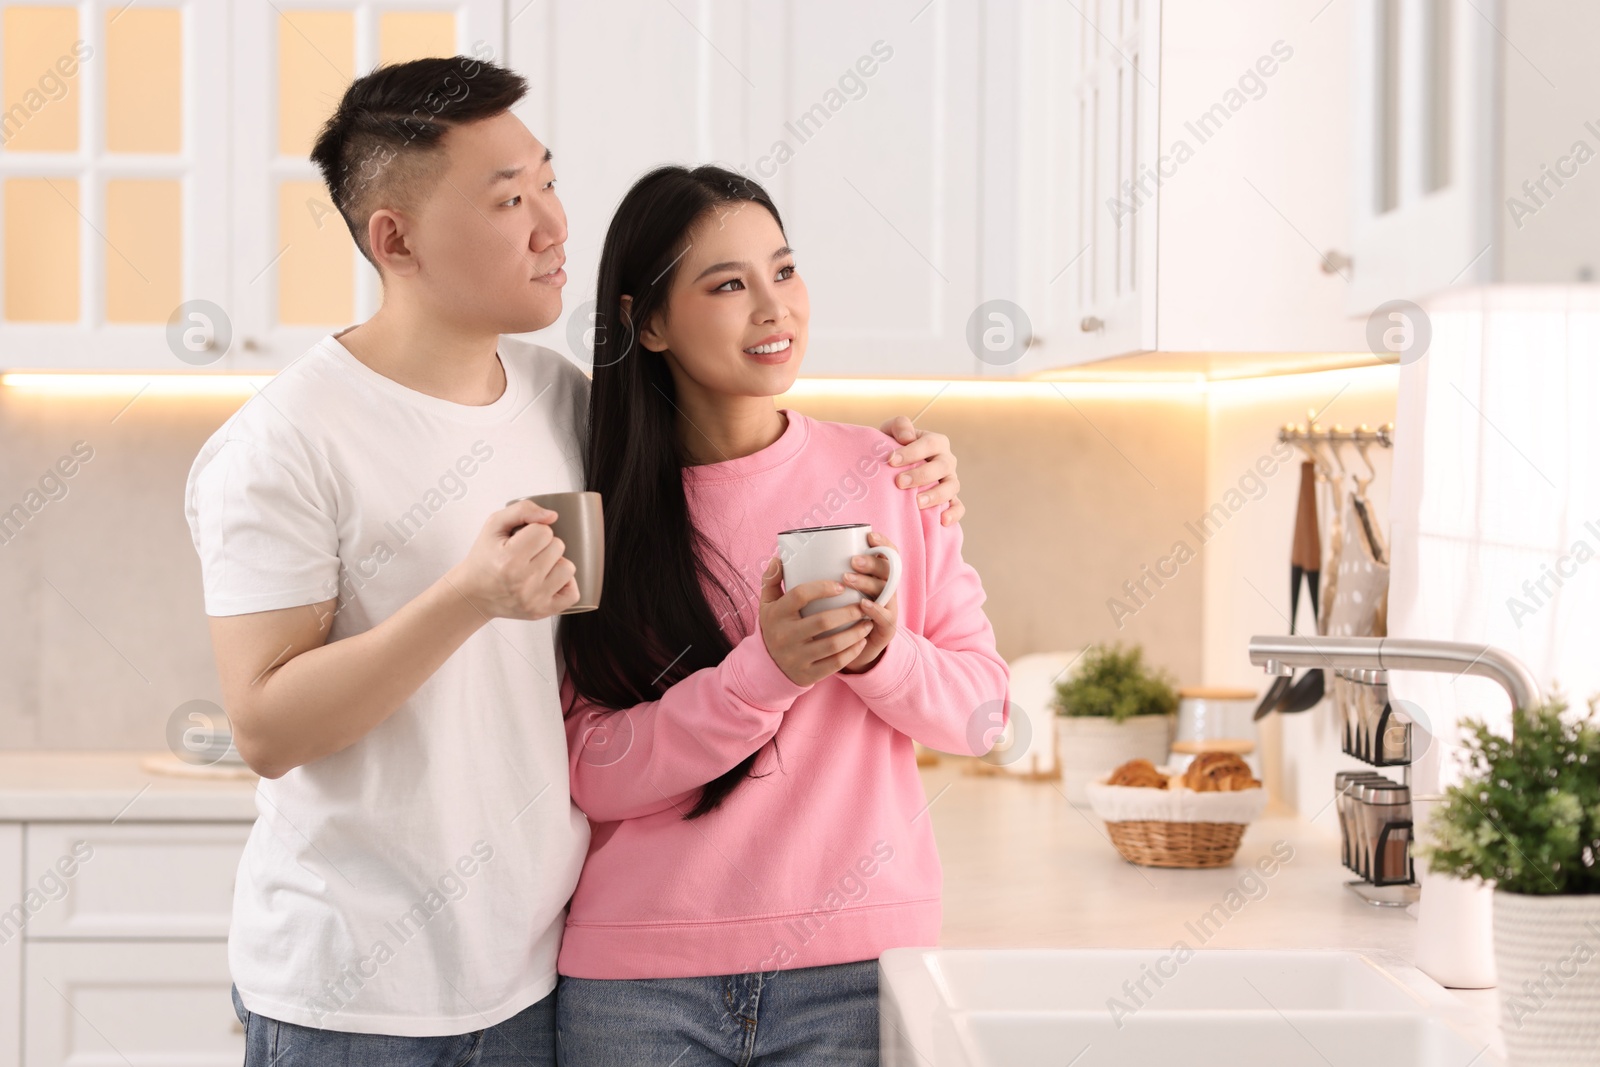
<point x="85" y="383"/>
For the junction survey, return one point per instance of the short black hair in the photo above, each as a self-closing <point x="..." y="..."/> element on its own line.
<point x="382" y="146"/>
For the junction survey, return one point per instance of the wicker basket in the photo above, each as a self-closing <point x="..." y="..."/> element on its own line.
<point x="1176" y="844"/>
<point x="1175" y="827"/>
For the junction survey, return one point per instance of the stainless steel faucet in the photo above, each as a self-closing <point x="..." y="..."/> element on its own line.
<point x="1282" y="654"/>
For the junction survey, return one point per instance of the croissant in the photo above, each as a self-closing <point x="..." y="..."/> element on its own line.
<point x="1214" y="772"/>
<point x="1140" y="773"/>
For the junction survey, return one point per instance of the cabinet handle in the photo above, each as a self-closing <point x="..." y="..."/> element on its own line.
<point x="1335" y="262"/>
<point x="1091" y="323"/>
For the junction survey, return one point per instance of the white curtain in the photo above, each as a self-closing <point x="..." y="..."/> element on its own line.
<point x="1496" y="501"/>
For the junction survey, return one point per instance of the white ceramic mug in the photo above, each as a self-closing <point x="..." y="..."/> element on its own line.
<point x="818" y="553"/>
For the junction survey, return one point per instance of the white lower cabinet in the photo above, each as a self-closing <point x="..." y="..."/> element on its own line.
<point x="113" y="944"/>
<point x="10" y="945"/>
<point x="99" y="1004"/>
<point x="146" y="880"/>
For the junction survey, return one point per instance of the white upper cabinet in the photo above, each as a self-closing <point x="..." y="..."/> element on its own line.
<point x="999" y="188"/>
<point x="860" y="120"/>
<point x="1178" y="179"/>
<point x="1475" y="128"/>
<point x="880" y="189"/>
<point x="1070" y="124"/>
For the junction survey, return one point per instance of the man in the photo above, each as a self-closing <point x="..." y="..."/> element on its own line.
<point x="386" y="655"/>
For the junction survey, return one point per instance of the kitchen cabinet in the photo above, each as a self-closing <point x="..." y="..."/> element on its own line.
<point x="1473" y="145"/>
<point x="1130" y="191"/>
<point x="1166" y="188"/>
<point x="130" y="1002"/>
<point x="882" y="200"/>
<point x="141" y="880"/>
<point x="1005" y="188"/>
<point x="11" y="892"/>
<point x="1080" y="121"/>
<point x="113" y="181"/>
<point x="161" y="214"/>
<point x="297" y="273"/>
<point x="859" y="120"/>
<point x="121" y="954"/>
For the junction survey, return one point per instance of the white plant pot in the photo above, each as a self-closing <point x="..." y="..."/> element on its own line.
<point x="1547" y="953"/>
<point x="1089" y="746"/>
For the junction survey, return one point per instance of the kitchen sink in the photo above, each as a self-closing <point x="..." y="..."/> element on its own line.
<point x="999" y="1007"/>
<point x="1202" y="1039"/>
<point x="1091" y="980"/>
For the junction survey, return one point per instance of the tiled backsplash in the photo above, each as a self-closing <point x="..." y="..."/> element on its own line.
<point x="1070" y="495"/>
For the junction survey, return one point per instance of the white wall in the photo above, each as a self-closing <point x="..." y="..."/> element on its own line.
<point x="1501" y="532"/>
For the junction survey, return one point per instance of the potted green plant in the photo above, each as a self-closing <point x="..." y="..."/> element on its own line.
<point x="1526" y="820"/>
<point x="1112" y="708"/>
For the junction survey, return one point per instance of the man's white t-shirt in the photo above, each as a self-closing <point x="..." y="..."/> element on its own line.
<point x="415" y="883"/>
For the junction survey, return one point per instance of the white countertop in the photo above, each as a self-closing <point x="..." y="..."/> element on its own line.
<point x="102" y="786"/>
<point x="1025" y="869"/>
<point x="1022" y="867"/>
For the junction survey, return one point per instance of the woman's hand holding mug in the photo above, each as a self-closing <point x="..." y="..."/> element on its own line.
<point x="869" y="577"/>
<point x="801" y="645"/>
<point x="822" y="624"/>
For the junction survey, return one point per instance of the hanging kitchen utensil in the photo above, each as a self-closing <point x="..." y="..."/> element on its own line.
<point x="1280" y="685"/>
<point x="1306" y="553"/>
<point x="1360" y="608"/>
<point x="1330" y="503"/>
<point x="1306" y="690"/>
<point x="1305" y="560"/>
<point x="1363" y="584"/>
<point x="1363" y="507"/>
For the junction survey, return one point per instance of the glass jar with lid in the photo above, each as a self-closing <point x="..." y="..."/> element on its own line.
<point x="1215" y="719"/>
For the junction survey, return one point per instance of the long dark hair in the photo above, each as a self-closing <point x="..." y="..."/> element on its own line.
<point x="657" y="625"/>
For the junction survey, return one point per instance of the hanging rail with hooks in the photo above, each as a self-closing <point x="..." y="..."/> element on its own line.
<point x="1383" y="436"/>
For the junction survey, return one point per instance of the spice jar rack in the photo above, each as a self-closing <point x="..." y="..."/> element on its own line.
<point x="1374" y="730"/>
<point x="1375" y="815"/>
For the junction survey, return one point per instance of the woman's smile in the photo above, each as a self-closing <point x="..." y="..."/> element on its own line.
<point x="772" y="351"/>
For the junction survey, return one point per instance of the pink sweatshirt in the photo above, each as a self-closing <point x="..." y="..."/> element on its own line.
<point x="830" y="858"/>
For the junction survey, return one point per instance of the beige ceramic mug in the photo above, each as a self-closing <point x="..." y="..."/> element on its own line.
<point x="581" y="526"/>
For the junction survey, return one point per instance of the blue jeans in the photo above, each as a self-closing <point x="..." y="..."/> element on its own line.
<point x="527" y="1039"/>
<point x="824" y="1016"/>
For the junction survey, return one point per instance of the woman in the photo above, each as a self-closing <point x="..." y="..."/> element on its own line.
<point x="757" y="840"/>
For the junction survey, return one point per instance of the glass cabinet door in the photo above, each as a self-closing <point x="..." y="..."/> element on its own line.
<point x="299" y="273"/>
<point x="157" y="207"/>
<point x="112" y="178"/>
